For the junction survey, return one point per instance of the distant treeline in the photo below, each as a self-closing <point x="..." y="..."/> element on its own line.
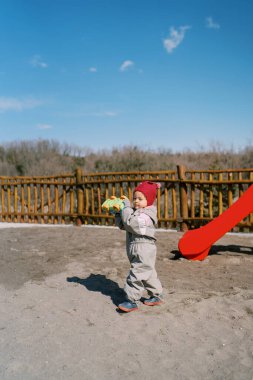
<point x="49" y="157"/>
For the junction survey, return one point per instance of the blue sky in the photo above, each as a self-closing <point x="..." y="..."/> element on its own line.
<point x="171" y="74"/>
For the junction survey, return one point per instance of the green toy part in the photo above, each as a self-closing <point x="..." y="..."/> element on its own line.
<point x="113" y="204"/>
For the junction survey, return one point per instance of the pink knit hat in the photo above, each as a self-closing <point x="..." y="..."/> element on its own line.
<point x="148" y="188"/>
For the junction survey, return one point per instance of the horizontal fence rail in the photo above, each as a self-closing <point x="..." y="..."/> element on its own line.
<point x="206" y="194"/>
<point x="186" y="199"/>
<point x="38" y="199"/>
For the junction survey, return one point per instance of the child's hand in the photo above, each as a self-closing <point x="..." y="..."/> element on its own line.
<point x="113" y="204"/>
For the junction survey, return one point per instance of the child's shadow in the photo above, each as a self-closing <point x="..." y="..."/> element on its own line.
<point x="99" y="283"/>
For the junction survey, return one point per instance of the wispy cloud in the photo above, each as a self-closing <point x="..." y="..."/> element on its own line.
<point x="110" y="114"/>
<point x="44" y="126"/>
<point x="102" y="114"/>
<point x="175" y="38"/>
<point x="211" y="24"/>
<point x="126" y="65"/>
<point x="14" y="104"/>
<point x="93" y="70"/>
<point x="93" y="111"/>
<point x="36" y="61"/>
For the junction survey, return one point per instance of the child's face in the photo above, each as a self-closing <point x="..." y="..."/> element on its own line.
<point x="140" y="200"/>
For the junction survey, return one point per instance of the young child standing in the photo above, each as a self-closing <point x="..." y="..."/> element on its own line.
<point x="139" y="223"/>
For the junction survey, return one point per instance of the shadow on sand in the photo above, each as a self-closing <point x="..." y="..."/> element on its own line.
<point x="218" y="249"/>
<point x="99" y="283"/>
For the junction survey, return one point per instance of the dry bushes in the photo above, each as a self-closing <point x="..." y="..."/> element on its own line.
<point x="49" y="157"/>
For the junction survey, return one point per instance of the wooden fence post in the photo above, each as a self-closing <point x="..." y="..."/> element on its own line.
<point x="79" y="197"/>
<point x="183" y="197"/>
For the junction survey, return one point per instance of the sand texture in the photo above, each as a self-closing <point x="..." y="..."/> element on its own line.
<point x="59" y="290"/>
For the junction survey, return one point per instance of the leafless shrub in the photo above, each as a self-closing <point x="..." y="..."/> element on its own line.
<point x="49" y="157"/>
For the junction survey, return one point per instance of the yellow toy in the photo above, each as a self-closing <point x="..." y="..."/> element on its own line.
<point x="113" y="204"/>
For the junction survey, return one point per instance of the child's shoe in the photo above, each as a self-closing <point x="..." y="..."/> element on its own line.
<point x="152" y="301"/>
<point x="128" y="306"/>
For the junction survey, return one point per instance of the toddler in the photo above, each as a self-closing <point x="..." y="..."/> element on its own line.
<point x="139" y="223"/>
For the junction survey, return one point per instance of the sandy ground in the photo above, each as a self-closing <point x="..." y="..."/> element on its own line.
<point x="59" y="287"/>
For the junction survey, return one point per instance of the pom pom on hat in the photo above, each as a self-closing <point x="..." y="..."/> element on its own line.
<point x="148" y="188"/>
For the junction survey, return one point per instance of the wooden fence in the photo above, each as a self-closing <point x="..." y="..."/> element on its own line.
<point x="187" y="198"/>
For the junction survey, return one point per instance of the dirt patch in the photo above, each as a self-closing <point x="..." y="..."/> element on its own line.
<point x="59" y="287"/>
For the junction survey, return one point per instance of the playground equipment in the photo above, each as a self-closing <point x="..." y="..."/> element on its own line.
<point x="113" y="204"/>
<point x="195" y="244"/>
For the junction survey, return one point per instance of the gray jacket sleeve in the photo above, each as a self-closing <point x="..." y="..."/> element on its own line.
<point x="134" y="223"/>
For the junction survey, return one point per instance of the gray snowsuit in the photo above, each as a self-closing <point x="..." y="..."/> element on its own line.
<point x="141" y="251"/>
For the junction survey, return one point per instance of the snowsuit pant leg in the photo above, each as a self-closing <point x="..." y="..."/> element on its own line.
<point x="142" y="275"/>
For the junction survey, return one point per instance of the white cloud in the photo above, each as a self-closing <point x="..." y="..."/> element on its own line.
<point x="44" y="126"/>
<point x="211" y="24"/>
<point x="36" y="61"/>
<point x="175" y="38"/>
<point x="102" y="114"/>
<point x="110" y="114"/>
<point x="92" y="69"/>
<point x="14" y="104"/>
<point x="126" y="65"/>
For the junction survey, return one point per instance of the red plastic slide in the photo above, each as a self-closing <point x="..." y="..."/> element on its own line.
<point x="195" y="244"/>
